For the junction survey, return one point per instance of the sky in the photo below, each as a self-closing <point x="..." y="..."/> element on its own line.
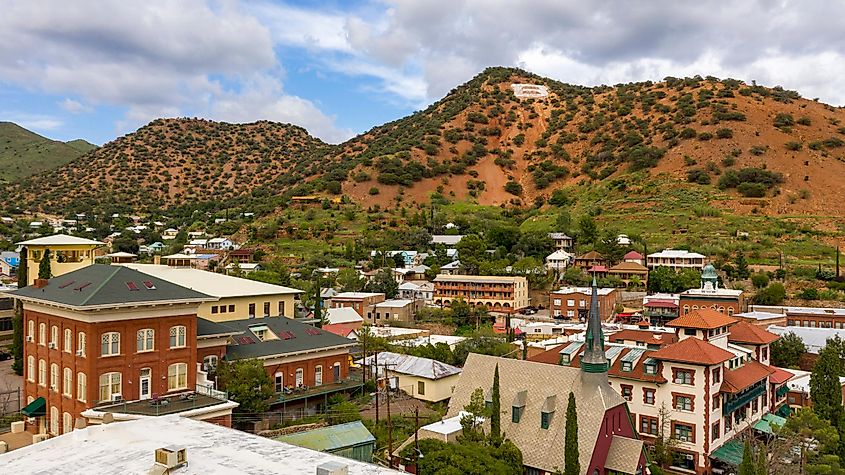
<point x="99" y="69"/>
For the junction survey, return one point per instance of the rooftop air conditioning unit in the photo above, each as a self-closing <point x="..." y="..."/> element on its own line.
<point x="79" y="353"/>
<point x="51" y="345"/>
<point x="117" y="397"/>
<point x="171" y="457"/>
<point x="332" y="468"/>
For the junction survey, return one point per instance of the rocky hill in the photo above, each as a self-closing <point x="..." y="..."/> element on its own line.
<point x="23" y="153"/>
<point x="767" y="149"/>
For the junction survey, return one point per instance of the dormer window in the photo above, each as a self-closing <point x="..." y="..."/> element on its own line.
<point x="518" y="407"/>
<point x="564" y="359"/>
<point x="626" y="366"/>
<point x="547" y="412"/>
<point x="651" y="368"/>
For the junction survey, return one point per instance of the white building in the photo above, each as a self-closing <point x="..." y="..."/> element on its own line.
<point x="675" y="259"/>
<point x="558" y="260"/>
<point x="446" y="239"/>
<point x="220" y="243"/>
<point x="417" y="290"/>
<point x="344" y="315"/>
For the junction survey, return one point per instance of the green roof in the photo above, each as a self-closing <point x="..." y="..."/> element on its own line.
<point x="326" y="439"/>
<point x="292" y="337"/>
<point x="769" y="422"/>
<point x="102" y="285"/>
<point x="730" y="452"/>
<point x="784" y="411"/>
<point x="207" y="328"/>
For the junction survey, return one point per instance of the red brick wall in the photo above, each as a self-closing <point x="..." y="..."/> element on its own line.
<point x="606" y="304"/>
<point x="309" y="367"/>
<point x="225" y="421"/>
<point x="219" y="350"/>
<point x="737" y="306"/>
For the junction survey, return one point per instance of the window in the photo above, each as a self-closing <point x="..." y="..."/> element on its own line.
<point x="754" y="406"/>
<point x="570" y="303"/>
<point x="231" y="309"/>
<point x="67" y="387"/>
<point x="30" y="329"/>
<point x="266" y="309"/>
<point x="717" y="401"/>
<point x="42" y="373"/>
<point x="110" y="344"/>
<point x="54" y="377"/>
<point x="54" y="420"/>
<point x="717" y="375"/>
<point x="689" y="331"/>
<point x="516" y="413"/>
<point x="209" y="363"/>
<point x="684" y="433"/>
<point x="627" y="392"/>
<point x="545" y="419"/>
<point x="764" y="353"/>
<point x="727" y="424"/>
<point x="177" y="376"/>
<point x="81" y="387"/>
<point x="318" y="375"/>
<point x="648" y="396"/>
<point x="67" y="423"/>
<point x="146" y="339"/>
<point x="682" y="376"/>
<point x="714" y="434"/>
<point x="299" y="375"/>
<point x="81" y="343"/>
<point x="686" y="309"/>
<point x="683" y="402"/>
<point x="222" y="309"/>
<point x="556" y="302"/>
<point x="177" y="336"/>
<point x="30" y="368"/>
<point x="626" y="366"/>
<point x="251" y="312"/>
<point x="42" y="333"/>
<point x="650" y="368"/>
<point x="421" y="388"/>
<point x="214" y="309"/>
<point x="279" y="381"/>
<point x="281" y="308"/>
<point x="54" y="336"/>
<point x="648" y="425"/>
<point x="570" y="313"/>
<point x="110" y="385"/>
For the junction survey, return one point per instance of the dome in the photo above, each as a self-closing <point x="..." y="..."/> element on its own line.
<point x="709" y="272"/>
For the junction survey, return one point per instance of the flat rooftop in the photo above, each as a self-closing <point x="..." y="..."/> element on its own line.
<point x="174" y="405"/>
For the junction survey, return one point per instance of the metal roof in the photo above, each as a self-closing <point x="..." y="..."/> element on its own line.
<point x="293" y="337"/>
<point x="331" y="438"/>
<point x="414" y="365"/>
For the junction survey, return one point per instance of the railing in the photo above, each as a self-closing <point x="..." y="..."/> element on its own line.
<point x="211" y="392"/>
<point x="744" y="398"/>
<point x="781" y="392"/>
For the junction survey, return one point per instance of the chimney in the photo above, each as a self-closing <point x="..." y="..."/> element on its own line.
<point x="80" y="423"/>
<point x="157" y="259"/>
<point x="40" y="283"/>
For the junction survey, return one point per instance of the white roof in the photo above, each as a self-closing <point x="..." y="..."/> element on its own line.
<point x="451" y="265"/>
<point x="814" y="338"/>
<point x="210" y="283"/>
<point x="218" y="239"/>
<point x="559" y="236"/>
<point x="450" y="340"/>
<point x="129" y="447"/>
<point x="245" y="265"/>
<point x="59" y="240"/>
<point x="676" y="253"/>
<point x="395" y="303"/>
<point x="447" y="239"/>
<point x="759" y="315"/>
<point x="393" y="332"/>
<point x="450" y="425"/>
<point x="414" y="365"/>
<point x="558" y="255"/>
<point x="801" y="381"/>
<point x="121" y="254"/>
<point x="713" y="292"/>
<point x="356" y="295"/>
<point x="343" y="315"/>
<point x="180" y="256"/>
<point x="675" y="298"/>
<point x="583" y="290"/>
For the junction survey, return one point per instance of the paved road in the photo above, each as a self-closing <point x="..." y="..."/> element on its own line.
<point x="8" y="379"/>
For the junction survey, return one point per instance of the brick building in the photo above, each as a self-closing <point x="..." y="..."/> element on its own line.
<point x="358" y="301"/>
<point x="573" y="303"/>
<point x="711" y="295"/>
<point x="503" y="294"/>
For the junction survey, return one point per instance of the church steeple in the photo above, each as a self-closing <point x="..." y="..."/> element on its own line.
<point x="593" y="360"/>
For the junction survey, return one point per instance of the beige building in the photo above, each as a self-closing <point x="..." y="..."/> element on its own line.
<point x="358" y="301"/>
<point x="392" y="311"/>
<point x="67" y="254"/>
<point x="238" y="298"/>
<point x="421" y="378"/>
<point x="505" y="294"/>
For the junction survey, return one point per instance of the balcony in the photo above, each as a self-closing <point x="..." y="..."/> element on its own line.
<point x="203" y="397"/>
<point x="744" y="398"/>
<point x="353" y="382"/>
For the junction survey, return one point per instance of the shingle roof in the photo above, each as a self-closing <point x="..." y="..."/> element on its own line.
<point x="744" y="332"/>
<point x="615" y="354"/>
<point x="780" y="375"/>
<point x="694" y="351"/>
<point x="740" y="378"/>
<point x="632" y="255"/>
<point x="101" y="285"/>
<point x="628" y="267"/>
<point x="702" y="319"/>
<point x="592" y="255"/>
<point x="624" y="454"/>
<point x="541" y="448"/>
<point x="293" y="337"/>
<point x="207" y="328"/>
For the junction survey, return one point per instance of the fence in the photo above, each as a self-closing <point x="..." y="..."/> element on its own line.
<point x="10" y="401"/>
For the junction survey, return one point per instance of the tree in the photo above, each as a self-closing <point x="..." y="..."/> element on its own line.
<point x="747" y="466"/>
<point x="44" y="269"/>
<point x="383" y="282"/>
<point x="466" y="458"/>
<point x="608" y="246"/>
<point x="664" y="442"/>
<point x="563" y="222"/>
<point x="532" y="244"/>
<point x="471" y="251"/>
<point x="588" y="230"/>
<point x="787" y="350"/>
<point x="470" y="422"/>
<point x="502" y="236"/>
<point x="349" y="280"/>
<point x="341" y="411"/>
<point x="236" y="271"/>
<point x="248" y="384"/>
<point x="572" y="465"/>
<point x="760" y="280"/>
<point x="824" y="385"/>
<point x="496" y="411"/>
<point x="774" y="294"/>
<point x="17" y="320"/>
<point x="816" y="440"/>
<point x="742" y="266"/>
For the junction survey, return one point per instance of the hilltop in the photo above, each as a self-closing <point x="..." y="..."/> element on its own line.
<point x="24" y="153"/>
<point x="737" y="147"/>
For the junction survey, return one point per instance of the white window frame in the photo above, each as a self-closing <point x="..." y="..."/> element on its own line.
<point x="54" y="420"/>
<point x="54" y="377"/>
<point x="177" y="376"/>
<point x="178" y="336"/>
<point x="31" y="329"/>
<point x="81" y="387"/>
<point x="110" y="341"/>
<point x="67" y="423"/>
<point x="42" y="373"/>
<point x="68" y="346"/>
<point x="42" y="334"/>
<point x="81" y="343"/>
<point x="279" y="382"/>
<point x="67" y="382"/>
<point x="145" y="340"/>
<point x="30" y="368"/>
<point x="318" y="375"/>
<point x="210" y="362"/>
<point x="54" y="336"/>
<point x="300" y="377"/>
<point x="108" y="383"/>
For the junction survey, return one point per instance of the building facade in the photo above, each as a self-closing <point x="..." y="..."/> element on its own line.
<point x="67" y="254"/>
<point x="358" y="301"/>
<point x="503" y="294"/>
<point x="394" y="310"/>
<point x="675" y="259"/>
<point x="711" y="296"/>
<point x="573" y="303"/>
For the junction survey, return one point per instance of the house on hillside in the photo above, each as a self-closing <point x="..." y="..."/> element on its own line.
<point x="589" y="260"/>
<point x="558" y="261"/>
<point x="9" y="262"/>
<point x="562" y="241"/>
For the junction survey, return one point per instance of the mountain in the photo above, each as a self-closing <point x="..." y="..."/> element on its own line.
<point x="24" y="153"/>
<point x="722" y="143"/>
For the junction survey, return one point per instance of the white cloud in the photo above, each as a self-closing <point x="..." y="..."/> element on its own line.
<point x="74" y="106"/>
<point x="34" y="122"/>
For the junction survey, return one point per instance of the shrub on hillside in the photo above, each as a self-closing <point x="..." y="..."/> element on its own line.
<point x="724" y="133"/>
<point x="513" y="188"/>
<point x="784" y="120"/>
<point x="794" y="146"/>
<point x="733" y="178"/>
<point x="699" y="176"/>
<point x="752" y="190"/>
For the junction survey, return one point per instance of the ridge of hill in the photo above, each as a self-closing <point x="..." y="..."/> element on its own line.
<point x="24" y="153"/>
<point x="742" y="148"/>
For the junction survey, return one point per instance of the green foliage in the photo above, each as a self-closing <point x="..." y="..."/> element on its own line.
<point x="750" y="180"/>
<point x="787" y="350"/>
<point x="383" y="282"/>
<point x="247" y="383"/>
<point x="794" y="146"/>
<point x="783" y="120"/>
<point x="45" y="270"/>
<point x="496" y="410"/>
<point x="349" y="280"/>
<point x="470" y="426"/>
<point x="341" y="411"/>
<point x="483" y="345"/>
<point x="824" y="382"/>
<point x="760" y="280"/>
<point x="724" y="133"/>
<point x="26" y="153"/>
<point x="699" y="176"/>
<point x="588" y="230"/>
<point x="666" y="280"/>
<point x="572" y="465"/>
<point x="774" y="294"/>
<point x="472" y="251"/>
<point x="817" y="439"/>
<point x="513" y="188"/>
<point x="466" y="458"/>
<point x="809" y="293"/>
<point x="747" y="466"/>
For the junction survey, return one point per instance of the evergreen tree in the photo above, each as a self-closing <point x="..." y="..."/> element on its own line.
<point x="762" y="462"/>
<point x="572" y="466"/>
<point x="825" y="387"/>
<point x="747" y="466"/>
<point x="742" y="266"/>
<point x="44" y="269"/>
<point x="496" y="411"/>
<point x="17" y="320"/>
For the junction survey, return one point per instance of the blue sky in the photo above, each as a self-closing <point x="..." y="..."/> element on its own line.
<point x="98" y="69"/>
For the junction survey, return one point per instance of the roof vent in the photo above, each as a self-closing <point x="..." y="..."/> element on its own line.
<point x="132" y="286"/>
<point x="149" y="285"/>
<point x="332" y="468"/>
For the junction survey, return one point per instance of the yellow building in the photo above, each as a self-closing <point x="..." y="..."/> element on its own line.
<point x="502" y="294"/>
<point x="421" y="378"/>
<point x="67" y="254"/>
<point x="238" y="298"/>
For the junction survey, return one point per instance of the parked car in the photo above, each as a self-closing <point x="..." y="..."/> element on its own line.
<point x="5" y="355"/>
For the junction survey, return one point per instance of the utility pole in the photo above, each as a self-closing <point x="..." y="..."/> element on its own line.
<point x="416" y="439"/>
<point x="837" y="261"/>
<point x="375" y="365"/>
<point x="389" y="425"/>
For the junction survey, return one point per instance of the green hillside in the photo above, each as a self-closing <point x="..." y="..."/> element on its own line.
<point x="24" y="153"/>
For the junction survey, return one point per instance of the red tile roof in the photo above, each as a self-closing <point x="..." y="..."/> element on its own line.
<point x="598" y="269"/>
<point x="702" y="319"/>
<point x="550" y="356"/>
<point x="779" y="376"/>
<point x="744" y="332"/>
<point x="632" y="255"/>
<point x="592" y="255"/>
<point x="644" y="336"/>
<point x="660" y="304"/>
<point x="693" y="351"/>
<point x="339" y="329"/>
<point x="629" y="267"/>
<point x="637" y="370"/>
<point x="740" y="378"/>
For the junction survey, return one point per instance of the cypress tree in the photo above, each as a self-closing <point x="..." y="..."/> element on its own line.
<point x="45" y="270"/>
<point x="572" y="466"/>
<point x="496" y="411"/>
<point x="17" y="320"/>
<point x="762" y="462"/>
<point x="747" y="466"/>
<point x="825" y="387"/>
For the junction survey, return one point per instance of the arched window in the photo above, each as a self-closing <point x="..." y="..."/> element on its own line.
<point x="686" y="309"/>
<point x="54" y="420"/>
<point x="318" y="375"/>
<point x="177" y="336"/>
<point x="67" y="387"/>
<point x="177" y="376"/>
<point x="110" y="385"/>
<point x="30" y="368"/>
<point x="42" y="373"/>
<point x="110" y="344"/>
<point x="81" y="343"/>
<point x="721" y="309"/>
<point x="209" y="363"/>
<point x="146" y="340"/>
<point x="299" y="375"/>
<point x="731" y="311"/>
<point x="81" y="387"/>
<point x="42" y="333"/>
<point x="68" y="347"/>
<point x="67" y="423"/>
<point x="54" y="377"/>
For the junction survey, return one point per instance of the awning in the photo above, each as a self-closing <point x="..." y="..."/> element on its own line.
<point x="768" y="423"/>
<point x="784" y="411"/>
<point x="730" y="452"/>
<point x="36" y="408"/>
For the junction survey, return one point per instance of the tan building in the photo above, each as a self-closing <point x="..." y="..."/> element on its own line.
<point x="505" y="294"/>
<point x="573" y="303"/>
<point x="358" y="301"/>
<point x="67" y="254"/>
<point x="630" y="272"/>
<point x="394" y="310"/>
<point x="237" y="298"/>
<point x="421" y="378"/>
<point x="675" y="259"/>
